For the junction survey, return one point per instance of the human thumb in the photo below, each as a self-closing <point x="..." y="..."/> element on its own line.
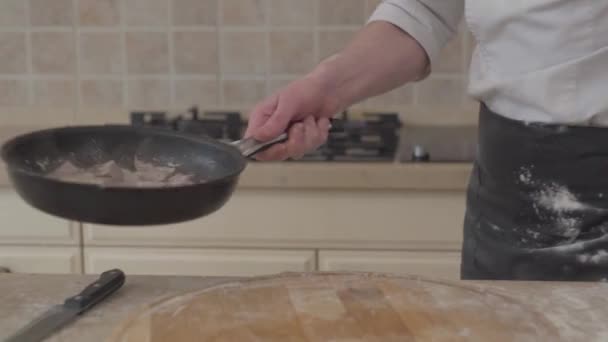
<point x="276" y="124"/>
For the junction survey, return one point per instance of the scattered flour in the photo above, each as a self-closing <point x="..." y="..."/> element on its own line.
<point x="221" y="310"/>
<point x="43" y="163"/>
<point x="570" y="248"/>
<point x="600" y="256"/>
<point x="525" y="176"/>
<point x="568" y="227"/>
<point x="562" y="212"/>
<point x="583" y="258"/>
<point x="557" y="204"/>
<point x="495" y="227"/>
<point x="111" y="174"/>
<point x="552" y="196"/>
<point x="533" y="234"/>
<point x="577" y="316"/>
<point x="559" y="199"/>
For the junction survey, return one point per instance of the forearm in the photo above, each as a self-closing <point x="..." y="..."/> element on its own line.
<point x="380" y="58"/>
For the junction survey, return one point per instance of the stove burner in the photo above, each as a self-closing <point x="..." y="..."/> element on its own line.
<point x="226" y="126"/>
<point x="375" y="137"/>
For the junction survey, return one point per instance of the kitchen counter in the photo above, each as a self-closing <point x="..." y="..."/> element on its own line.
<point x="346" y="176"/>
<point x="578" y="310"/>
<point x="329" y="175"/>
<point x="357" y="176"/>
<point x="23" y="297"/>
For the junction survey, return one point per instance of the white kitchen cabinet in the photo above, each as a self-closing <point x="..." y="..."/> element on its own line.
<point x="38" y="259"/>
<point x="310" y="219"/>
<point x="23" y="224"/>
<point x="198" y="262"/>
<point x="444" y="265"/>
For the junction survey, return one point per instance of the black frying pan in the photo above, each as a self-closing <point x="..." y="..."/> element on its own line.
<point x="214" y="165"/>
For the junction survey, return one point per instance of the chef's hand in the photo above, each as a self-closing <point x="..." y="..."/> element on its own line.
<point x="355" y="73"/>
<point x="303" y="109"/>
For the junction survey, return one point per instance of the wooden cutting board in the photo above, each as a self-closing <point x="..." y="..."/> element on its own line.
<point x="337" y="307"/>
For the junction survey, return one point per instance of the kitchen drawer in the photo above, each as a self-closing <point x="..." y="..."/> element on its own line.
<point x="310" y="219"/>
<point x="22" y="224"/>
<point x="197" y="262"/>
<point x="444" y="265"/>
<point x="37" y="259"/>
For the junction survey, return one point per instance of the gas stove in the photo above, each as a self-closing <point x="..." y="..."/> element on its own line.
<point x="372" y="138"/>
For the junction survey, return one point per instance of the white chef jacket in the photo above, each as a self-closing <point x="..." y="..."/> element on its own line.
<point x="535" y="60"/>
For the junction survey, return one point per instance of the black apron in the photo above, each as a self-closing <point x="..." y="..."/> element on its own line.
<point x="537" y="202"/>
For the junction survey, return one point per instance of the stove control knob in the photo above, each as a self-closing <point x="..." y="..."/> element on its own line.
<point x="419" y="154"/>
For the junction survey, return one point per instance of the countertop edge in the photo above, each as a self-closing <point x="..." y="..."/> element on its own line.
<point x="345" y="176"/>
<point x="27" y="295"/>
<point x="357" y="176"/>
<point x="388" y="176"/>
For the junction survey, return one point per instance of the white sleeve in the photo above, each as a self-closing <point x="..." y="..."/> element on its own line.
<point x="431" y="22"/>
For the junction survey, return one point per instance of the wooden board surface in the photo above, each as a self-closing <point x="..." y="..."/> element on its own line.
<point x="337" y="307"/>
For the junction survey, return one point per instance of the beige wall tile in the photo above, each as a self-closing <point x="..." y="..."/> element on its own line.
<point x="243" y="92"/>
<point x="291" y="52"/>
<point x="149" y="94"/>
<point x="13" y="13"/>
<point x="101" y="53"/>
<point x="331" y="42"/>
<point x="195" y="12"/>
<point x="51" y="13"/>
<point x="341" y="12"/>
<point x="275" y="85"/>
<point x="147" y="53"/>
<point x="203" y="93"/>
<point x="244" y="12"/>
<point x="12" y="53"/>
<point x="38" y="116"/>
<point x="101" y="93"/>
<point x="147" y="12"/>
<point x="244" y="52"/>
<point x="195" y="52"/>
<point x="395" y="98"/>
<point x="370" y="7"/>
<point x="99" y="12"/>
<point x="440" y="91"/>
<point x="291" y="12"/>
<point x="451" y="56"/>
<point x="89" y="115"/>
<point x="54" y="93"/>
<point x="53" y="52"/>
<point x="13" y="93"/>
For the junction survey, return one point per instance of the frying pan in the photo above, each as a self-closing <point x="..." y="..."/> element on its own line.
<point x="214" y="165"/>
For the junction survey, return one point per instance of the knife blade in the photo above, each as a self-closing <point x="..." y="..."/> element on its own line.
<point x="60" y="315"/>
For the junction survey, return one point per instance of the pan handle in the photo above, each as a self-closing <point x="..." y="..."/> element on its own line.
<point x="250" y="146"/>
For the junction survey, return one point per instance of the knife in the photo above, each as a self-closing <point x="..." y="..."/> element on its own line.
<point x="60" y="315"/>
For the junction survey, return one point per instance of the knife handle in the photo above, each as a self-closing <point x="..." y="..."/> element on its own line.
<point x="108" y="283"/>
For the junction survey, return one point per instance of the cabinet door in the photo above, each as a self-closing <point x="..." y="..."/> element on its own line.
<point x="36" y="259"/>
<point x="353" y="220"/>
<point x="22" y="224"/>
<point x="444" y="265"/>
<point x="198" y="262"/>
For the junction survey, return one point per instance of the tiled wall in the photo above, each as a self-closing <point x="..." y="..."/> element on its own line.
<point x="93" y="60"/>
